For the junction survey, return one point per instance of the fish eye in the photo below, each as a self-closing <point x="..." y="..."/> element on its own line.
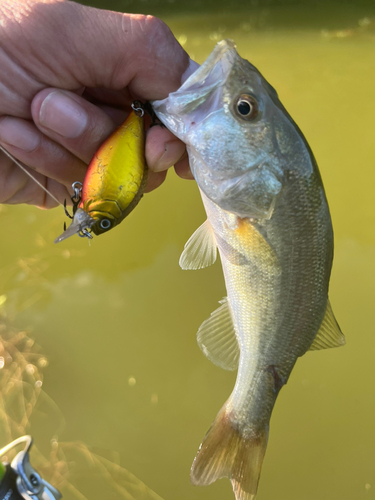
<point x="105" y="223"/>
<point x="246" y="107"/>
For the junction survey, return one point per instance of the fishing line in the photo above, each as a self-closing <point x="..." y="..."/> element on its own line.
<point x="22" y="167"/>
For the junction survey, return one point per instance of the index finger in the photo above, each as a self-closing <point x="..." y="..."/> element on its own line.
<point x="102" y="49"/>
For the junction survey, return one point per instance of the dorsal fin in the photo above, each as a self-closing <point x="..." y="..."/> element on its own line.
<point x="200" y="249"/>
<point x="217" y="338"/>
<point x="329" y="334"/>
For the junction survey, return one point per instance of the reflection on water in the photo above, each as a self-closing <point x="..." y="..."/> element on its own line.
<point x="25" y="408"/>
<point x="118" y="319"/>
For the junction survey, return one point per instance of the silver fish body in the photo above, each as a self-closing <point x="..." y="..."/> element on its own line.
<point x="268" y="217"/>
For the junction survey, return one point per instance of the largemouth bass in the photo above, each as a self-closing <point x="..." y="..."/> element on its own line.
<point x="268" y="216"/>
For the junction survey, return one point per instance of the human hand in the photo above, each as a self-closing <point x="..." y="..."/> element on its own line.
<point x="69" y="74"/>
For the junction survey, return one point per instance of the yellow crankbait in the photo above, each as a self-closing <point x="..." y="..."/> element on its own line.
<point x="114" y="181"/>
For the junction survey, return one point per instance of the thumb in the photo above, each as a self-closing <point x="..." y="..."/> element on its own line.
<point x="98" y="48"/>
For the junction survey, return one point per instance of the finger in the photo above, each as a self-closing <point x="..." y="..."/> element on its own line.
<point x="108" y="96"/>
<point x="156" y="65"/>
<point x="182" y="168"/>
<point x="154" y="180"/>
<point x="118" y="116"/>
<point x="61" y="192"/>
<point x="17" y="187"/>
<point x="24" y="141"/>
<point x="71" y="121"/>
<point x="163" y="149"/>
<point x="102" y="49"/>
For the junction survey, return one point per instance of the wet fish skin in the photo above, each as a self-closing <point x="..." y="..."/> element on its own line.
<point x="269" y="218"/>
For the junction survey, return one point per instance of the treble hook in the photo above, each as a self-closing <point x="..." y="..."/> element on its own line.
<point x="66" y="211"/>
<point x="76" y="199"/>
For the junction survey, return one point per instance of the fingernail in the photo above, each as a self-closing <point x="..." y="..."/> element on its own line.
<point x="173" y="150"/>
<point x="63" y="115"/>
<point x="19" y="133"/>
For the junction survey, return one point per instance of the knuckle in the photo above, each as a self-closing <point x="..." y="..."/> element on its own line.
<point x="157" y="34"/>
<point x="154" y="27"/>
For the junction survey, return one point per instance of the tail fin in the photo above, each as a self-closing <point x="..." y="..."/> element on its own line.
<point x="226" y="452"/>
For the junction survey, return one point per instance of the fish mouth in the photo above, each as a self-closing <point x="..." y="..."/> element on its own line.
<point x="201" y="90"/>
<point x="208" y="77"/>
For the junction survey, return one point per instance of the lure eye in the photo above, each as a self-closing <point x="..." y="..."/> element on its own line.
<point x="105" y="223"/>
<point x="246" y="107"/>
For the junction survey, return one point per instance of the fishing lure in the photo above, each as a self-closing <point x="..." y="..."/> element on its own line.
<point x="114" y="181"/>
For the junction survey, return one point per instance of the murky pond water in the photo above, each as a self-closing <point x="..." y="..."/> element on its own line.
<point x="117" y="319"/>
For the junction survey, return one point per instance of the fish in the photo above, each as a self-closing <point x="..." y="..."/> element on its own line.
<point x="115" y="180"/>
<point x="269" y="220"/>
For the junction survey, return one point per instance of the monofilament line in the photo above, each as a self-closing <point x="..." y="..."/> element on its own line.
<point x="22" y="167"/>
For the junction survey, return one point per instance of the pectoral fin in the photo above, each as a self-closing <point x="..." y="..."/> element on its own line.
<point x="217" y="338"/>
<point x="201" y="249"/>
<point x="329" y="334"/>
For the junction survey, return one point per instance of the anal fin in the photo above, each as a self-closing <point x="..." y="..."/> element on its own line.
<point x="329" y="334"/>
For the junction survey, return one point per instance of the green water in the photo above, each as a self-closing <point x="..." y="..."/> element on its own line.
<point x="117" y="319"/>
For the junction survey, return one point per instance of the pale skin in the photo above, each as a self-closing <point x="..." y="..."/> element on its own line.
<point x="68" y="75"/>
